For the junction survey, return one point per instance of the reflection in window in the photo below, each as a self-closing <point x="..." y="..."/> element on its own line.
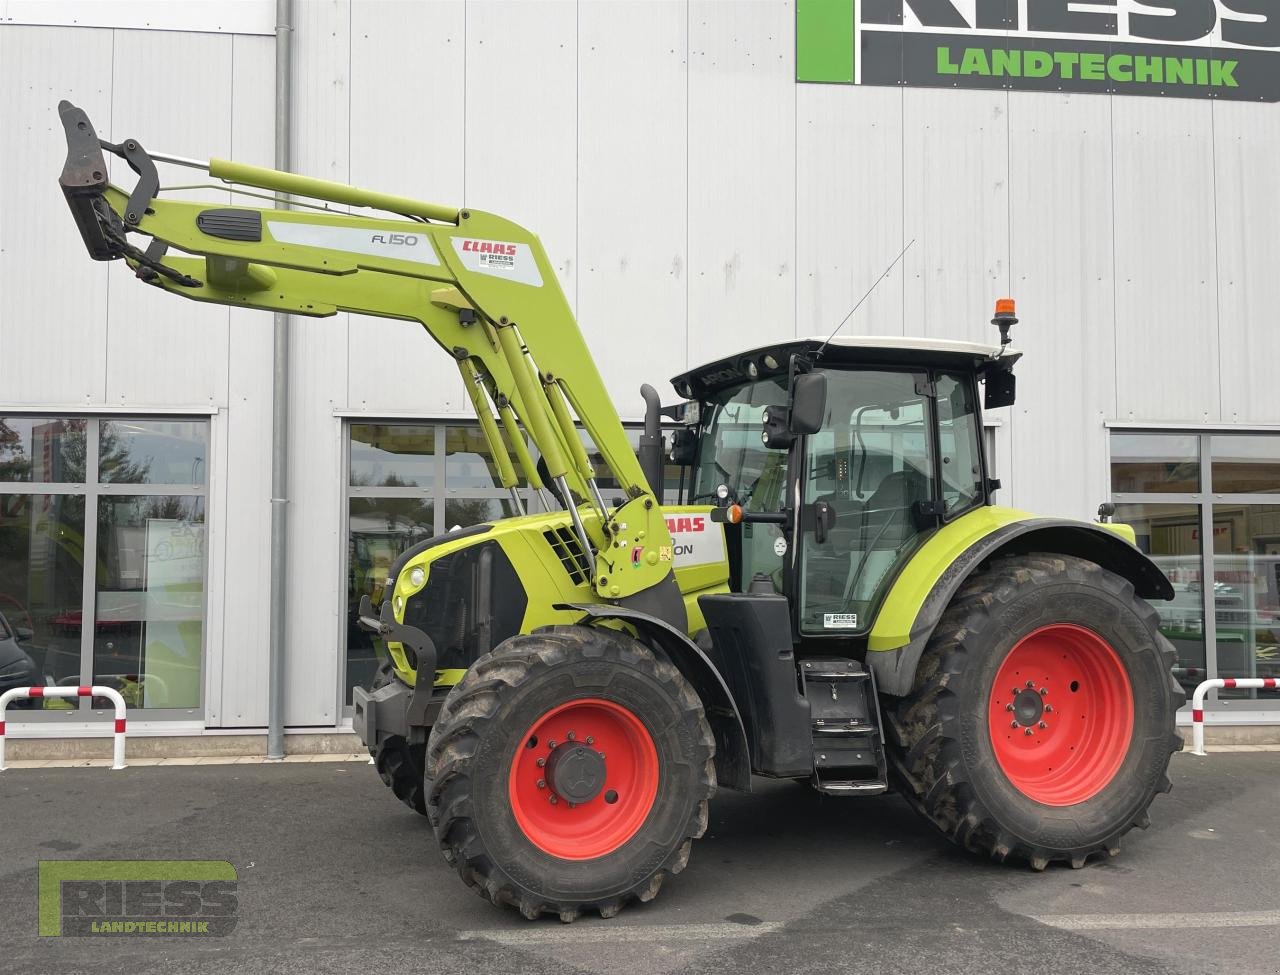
<point x="392" y="455"/>
<point x="149" y="625"/>
<point x="42" y="449"/>
<point x="1246" y="579"/>
<point x="469" y="462"/>
<point x="464" y="512"/>
<point x="379" y="531"/>
<point x="1245" y="464"/>
<point x="1170" y="534"/>
<point x="1155" y="463"/>
<point x="608" y="483"/>
<point x="152" y="452"/>
<point x="42" y="580"/>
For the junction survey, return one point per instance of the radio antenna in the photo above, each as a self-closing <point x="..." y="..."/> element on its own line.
<point x="818" y="354"/>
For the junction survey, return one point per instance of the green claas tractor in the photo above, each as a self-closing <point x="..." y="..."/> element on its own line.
<point x="838" y="601"/>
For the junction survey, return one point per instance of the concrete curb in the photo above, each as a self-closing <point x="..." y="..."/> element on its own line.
<point x="143" y="746"/>
<point x="360" y="759"/>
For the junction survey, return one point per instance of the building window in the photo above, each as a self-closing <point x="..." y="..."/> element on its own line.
<point x="1204" y="508"/>
<point x="103" y="519"/>
<point x="409" y="481"/>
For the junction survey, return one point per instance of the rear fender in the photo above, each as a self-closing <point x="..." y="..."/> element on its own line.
<point x="924" y="588"/>
<point x="733" y="757"/>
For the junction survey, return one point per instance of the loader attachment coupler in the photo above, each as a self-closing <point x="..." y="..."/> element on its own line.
<point x="84" y="184"/>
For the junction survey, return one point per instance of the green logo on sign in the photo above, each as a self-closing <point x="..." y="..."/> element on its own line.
<point x="137" y="898"/>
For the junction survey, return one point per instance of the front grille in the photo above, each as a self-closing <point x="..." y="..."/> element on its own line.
<point x="564" y="543"/>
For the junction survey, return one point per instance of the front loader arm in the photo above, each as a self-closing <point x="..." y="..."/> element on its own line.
<point x="481" y="286"/>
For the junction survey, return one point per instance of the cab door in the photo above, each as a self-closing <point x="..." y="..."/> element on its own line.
<point x="898" y="454"/>
<point x="867" y="486"/>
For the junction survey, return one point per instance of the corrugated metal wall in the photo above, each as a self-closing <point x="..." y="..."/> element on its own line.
<point x="689" y="192"/>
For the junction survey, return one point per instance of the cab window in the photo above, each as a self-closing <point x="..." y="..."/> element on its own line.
<point x="959" y="460"/>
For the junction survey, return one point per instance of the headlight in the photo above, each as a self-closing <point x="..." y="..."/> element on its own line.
<point x="417" y="577"/>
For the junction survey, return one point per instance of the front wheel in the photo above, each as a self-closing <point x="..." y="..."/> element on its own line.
<point x="570" y="769"/>
<point x="1042" y="717"/>
<point x="398" y="760"/>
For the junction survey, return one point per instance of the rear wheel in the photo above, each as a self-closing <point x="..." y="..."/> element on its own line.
<point x="570" y="770"/>
<point x="1042" y="718"/>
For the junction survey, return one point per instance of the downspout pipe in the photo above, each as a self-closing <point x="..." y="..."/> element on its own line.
<point x="280" y="411"/>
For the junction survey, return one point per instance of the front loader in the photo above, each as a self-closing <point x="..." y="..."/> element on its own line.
<point x="840" y="600"/>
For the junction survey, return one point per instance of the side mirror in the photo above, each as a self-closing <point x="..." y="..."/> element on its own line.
<point x="23" y="633"/>
<point x="808" y="403"/>
<point x="1001" y="389"/>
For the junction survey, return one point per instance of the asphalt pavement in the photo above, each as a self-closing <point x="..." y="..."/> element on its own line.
<point x="335" y="876"/>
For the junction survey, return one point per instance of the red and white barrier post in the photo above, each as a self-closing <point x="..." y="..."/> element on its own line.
<point x="1197" y="702"/>
<point x="117" y="759"/>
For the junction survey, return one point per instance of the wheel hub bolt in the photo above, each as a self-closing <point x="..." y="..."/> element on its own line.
<point x="1031" y="683"/>
<point x="554" y="800"/>
<point x="1043" y="726"/>
<point x="590" y="740"/>
<point x="570" y="736"/>
<point x="541" y="762"/>
<point x="542" y="783"/>
<point x="1048" y="709"/>
<point x="1044" y="692"/>
<point x="1008" y="707"/>
<point x="1027" y="731"/>
<point x="1013" y="725"/>
<point x="551" y="744"/>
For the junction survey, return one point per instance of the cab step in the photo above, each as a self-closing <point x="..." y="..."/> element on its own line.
<point x="848" y="748"/>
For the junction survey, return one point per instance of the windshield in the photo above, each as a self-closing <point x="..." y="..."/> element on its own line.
<point x="730" y="452"/>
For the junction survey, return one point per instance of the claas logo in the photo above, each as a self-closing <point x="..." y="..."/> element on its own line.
<point x="489" y="247"/>
<point x="686" y="523"/>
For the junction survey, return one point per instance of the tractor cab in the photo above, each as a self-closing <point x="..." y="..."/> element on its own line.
<point x="832" y="462"/>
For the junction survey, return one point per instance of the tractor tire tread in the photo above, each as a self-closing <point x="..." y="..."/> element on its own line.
<point x="475" y="702"/>
<point x="924" y="747"/>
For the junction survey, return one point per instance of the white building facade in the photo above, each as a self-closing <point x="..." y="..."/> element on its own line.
<point x="690" y="189"/>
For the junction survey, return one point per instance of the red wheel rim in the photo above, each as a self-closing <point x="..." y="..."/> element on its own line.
<point x="595" y="734"/>
<point x="1061" y="714"/>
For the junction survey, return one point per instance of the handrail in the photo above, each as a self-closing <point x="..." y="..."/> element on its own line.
<point x="1197" y="702"/>
<point x="117" y="755"/>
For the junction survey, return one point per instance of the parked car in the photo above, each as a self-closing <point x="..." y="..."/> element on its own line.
<point x="17" y="669"/>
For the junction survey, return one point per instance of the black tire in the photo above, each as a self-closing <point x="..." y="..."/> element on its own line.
<point x="940" y="742"/>
<point x="483" y="724"/>
<point x="400" y="762"/>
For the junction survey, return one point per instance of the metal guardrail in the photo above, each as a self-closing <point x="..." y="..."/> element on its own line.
<point x="1197" y="702"/>
<point x="109" y="693"/>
